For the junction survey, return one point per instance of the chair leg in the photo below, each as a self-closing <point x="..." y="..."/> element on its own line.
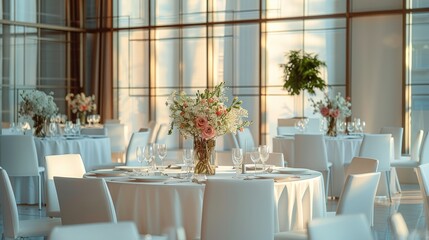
<point x="40" y="192"/>
<point x="388" y="185"/>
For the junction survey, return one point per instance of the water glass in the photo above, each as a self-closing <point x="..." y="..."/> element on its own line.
<point x="264" y="152"/>
<point x="139" y="155"/>
<point x="350" y="127"/>
<point x="188" y="159"/>
<point x="255" y="156"/>
<point x="148" y="154"/>
<point x="161" y="151"/>
<point x="237" y="159"/>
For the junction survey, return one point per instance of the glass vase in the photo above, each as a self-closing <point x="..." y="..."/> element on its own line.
<point x="203" y="151"/>
<point x="39" y="126"/>
<point x="332" y="127"/>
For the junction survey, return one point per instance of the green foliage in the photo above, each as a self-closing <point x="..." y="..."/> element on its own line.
<point x="302" y="72"/>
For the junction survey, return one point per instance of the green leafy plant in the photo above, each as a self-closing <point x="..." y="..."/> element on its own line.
<point x="302" y="72"/>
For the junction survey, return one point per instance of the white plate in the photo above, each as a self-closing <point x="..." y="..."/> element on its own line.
<point x="278" y="177"/>
<point x="107" y="173"/>
<point x="131" y="168"/>
<point x="251" y="167"/>
<point x="292" y="170"/>
<point x="150" y="178"/>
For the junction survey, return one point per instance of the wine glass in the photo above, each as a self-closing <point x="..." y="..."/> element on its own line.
<point x="350" y="127"/>
<point x="52" y="129"/>
<point x="237" y="159"/>
<point x="148" y="153"/>
<point x="341" y="126"/>
<point x="139" y="155"/>
<point x="188" y="157"/>
<point x="97" y="119"/>
<point x="255" y="156"/>
<point x="89" y="120"/>
<point x="264" y="152"/>
<point x="363" y="124"/>
<point x="161" y="151"/>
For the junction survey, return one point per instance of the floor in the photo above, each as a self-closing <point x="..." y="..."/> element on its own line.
<point x="409" y="203"/>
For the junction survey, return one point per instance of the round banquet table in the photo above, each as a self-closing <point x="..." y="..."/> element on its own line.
<point x="155" y="206"/>
<point x="94" y="150"/>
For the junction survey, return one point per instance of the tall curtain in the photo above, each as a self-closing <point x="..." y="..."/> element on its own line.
<point x="101" y="59"/>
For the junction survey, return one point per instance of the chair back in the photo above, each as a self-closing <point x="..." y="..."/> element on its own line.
<point x="84" y="200"/>
<point x="377" y="146"/>
<point x="18" y="155"/>
<point x="90" y="231"/>
<point x="350" y="227"/>
<point x="424" y="150"/>
<point x="317" y="158"/>
<point x="161" y="136"/>
<point x="276" y="159"/>
<point x="358" y="195"/>
<point x="247" y="210"/>
<point x="65" y="165"/>
<point x="245" y="139"/>
<point x="361" y="165"/>
<point x="232" y="138"/>
<point x="116" y="133"/>
<point x="396" y="133"/>
<point x="8" y="206"/>
<point x="399" y="226"/>
<point x="416" y="146"/>
<point x="153" y="128"/>
<point x="423" y="179"/>
<point x="137" y="139"/>
<point x="94" y="131"/>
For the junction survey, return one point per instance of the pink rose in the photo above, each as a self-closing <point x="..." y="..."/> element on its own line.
<point x="208" y="132"/>
<point x="201" y="122"/>
<point x="335" y="113"/>
<point x="324" y="111"/>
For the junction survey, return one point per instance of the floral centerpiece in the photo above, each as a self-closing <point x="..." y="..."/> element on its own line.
<point x="81" y="104"/>
<point x="332" y="109"/>
<point x="39" y="106"/>
<point x="204" y="118"/>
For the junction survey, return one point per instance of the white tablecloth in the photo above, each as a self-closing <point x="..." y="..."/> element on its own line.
<point x="156" y="206"/>
<point x="93" y="150"/>
<point x="340" y="151"/>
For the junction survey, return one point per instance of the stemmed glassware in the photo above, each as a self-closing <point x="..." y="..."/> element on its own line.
<point x="350" y="127"/>
<point x="161" y="151"/>
<point x="255" y="156"/>
<point x="188" y="158"/>
<point x="148" y="154"/>
<point x="237" y="159"/>
<point x="264" y="152"/>
<point x="139" y="155"/>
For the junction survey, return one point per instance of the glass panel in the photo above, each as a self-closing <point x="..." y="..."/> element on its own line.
<point x="226" y="10"/>
<point x="284" y="8"/>
<point x="165" y="12"/>
<point x="194" y="11"/>
<point x="370" y="5"/>
<point x="53" y="12"/>
<point x="131" y="13"/>
<point x="417" y="3"/>
<point x="194" y="62"/>
<point x="320" y="7"/>
<point x="24" y="10"/>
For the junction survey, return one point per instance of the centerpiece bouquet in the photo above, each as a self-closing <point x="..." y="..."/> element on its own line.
<point x="81" y="104"/>
<point x="332" y="109"/>
<point x="205" y="117"/>
<point x="39" y="106"/>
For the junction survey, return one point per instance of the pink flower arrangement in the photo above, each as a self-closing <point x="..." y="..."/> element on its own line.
<point x="333" y="108"/>
<point x="80" y="103"/>
<point x="206" y="116"/>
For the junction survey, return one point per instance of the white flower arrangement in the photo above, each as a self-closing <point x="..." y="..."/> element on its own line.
<point x="37" y="103"/>
<point x="206" y="116"/>
<point x="338" y="107"/>
<point x="81" y="103"/>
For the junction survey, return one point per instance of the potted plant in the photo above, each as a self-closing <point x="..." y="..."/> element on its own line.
<point x="302" y="73"/>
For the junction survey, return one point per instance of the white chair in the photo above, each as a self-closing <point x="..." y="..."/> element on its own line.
<point x="19" y="158"/>
<point x="91" y="231"/>
<point x="161" y="136"/>
<point x="350" y="227"/>
<point x="137" y="139"/>
<point x="13" y="227"/>
<point x="414" y="160"/>
<point x="423" y="179"/>
<point x="108" y="121"/>
<point x="358" y="195"/>
<point x="310" y="152"/>
<point x="361" y="165"/>
<point x="116" y="133"/>
<point x="236" y="209"/>
<point x="65" y="165"/>
<point x="94" y="131"/>
<point x="84" y="200"/>
<point x="286" y="126"/>
<point x="399" y="226"/>
<point x="245" y="139"/>
<point x="396" y="133"/>
<point x="377" y="146"/>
